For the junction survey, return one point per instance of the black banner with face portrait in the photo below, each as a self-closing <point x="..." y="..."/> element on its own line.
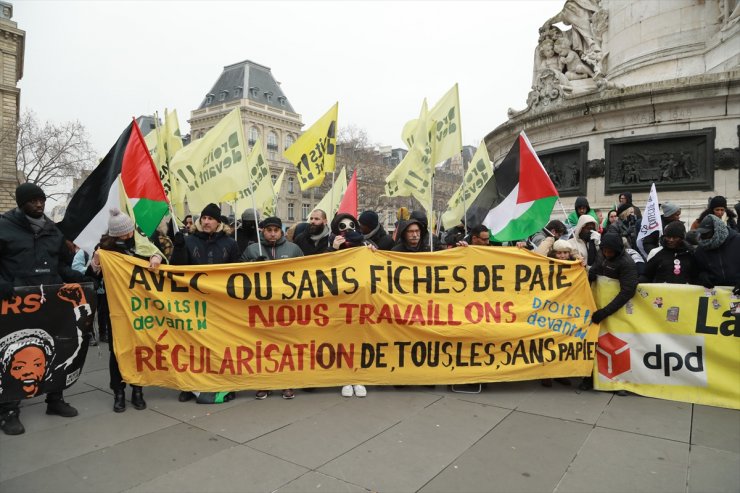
<point x="44" y="334"/>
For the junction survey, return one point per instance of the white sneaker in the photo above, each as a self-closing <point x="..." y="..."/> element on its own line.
<point x="347" y="391"/>
<point x="360" y="390"/>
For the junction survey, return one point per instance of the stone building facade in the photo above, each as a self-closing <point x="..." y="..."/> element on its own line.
<point x="12" y="47"/>
<point x="267" y="114"/>
<point x="635" y="93"/>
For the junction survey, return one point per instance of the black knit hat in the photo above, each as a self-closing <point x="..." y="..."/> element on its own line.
<point x="675" y="229"/>
<point x="212" y="210"/>
<point x="369" y="219"/>
<point x="27" y="192"/>
<point x="612" y="240"/>
<point x="623" y="208"/>
<point x="718" y="201"/>
<point x="271" y="221"/>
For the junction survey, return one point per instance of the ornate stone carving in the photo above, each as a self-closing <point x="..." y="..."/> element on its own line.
<point x="676" y="161"/>
<point x="566" y="167"/>
<point x="727" y="158"/>
<point x="596" y="168"/>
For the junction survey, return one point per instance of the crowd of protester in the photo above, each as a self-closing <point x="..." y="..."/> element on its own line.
<point x="707" y="254"/>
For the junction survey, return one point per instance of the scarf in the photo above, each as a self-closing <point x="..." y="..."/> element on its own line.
<point x="720" y="234"/>
<point x="317" y="238"/>
<point x="36" y="224"/>
<point x="372" y="233"/>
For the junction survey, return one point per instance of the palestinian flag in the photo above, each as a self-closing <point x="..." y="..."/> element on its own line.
<point x="518" y="200"/>
<point x="127" y="179"/>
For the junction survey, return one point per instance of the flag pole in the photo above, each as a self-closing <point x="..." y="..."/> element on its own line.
<point x="331" y="201"/>
<point x="254" y="209"/>
<point x="431" y="207"/>
<point x="235" y="228"/>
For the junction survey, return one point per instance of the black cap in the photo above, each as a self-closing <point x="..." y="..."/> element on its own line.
<point x="27" y="192"/>
<point x="271" y="221"/>
<point x="212" y="210"/>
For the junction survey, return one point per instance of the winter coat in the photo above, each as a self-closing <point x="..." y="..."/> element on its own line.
<point x="580" y="246"/>
<point x="622" y="268"/>
<point x="30" y="259"/>
<point x="200" y="248"/>
<point x="381" y="238"/>
<point x="662" y="266"/>
<point x="573" y="217"/>
<point x="423" y="245"/>
<point x="281" y="249"/>
<point x="720" y="266"/>
<point x="310" y="247"/>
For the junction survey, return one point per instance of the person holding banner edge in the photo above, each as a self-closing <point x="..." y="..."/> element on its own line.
<point x="32" y="252"/>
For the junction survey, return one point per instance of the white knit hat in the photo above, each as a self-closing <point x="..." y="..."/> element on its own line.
<point x="119" y="224"/>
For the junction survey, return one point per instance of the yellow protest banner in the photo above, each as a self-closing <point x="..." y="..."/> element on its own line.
<point x="259" y="184"/>
<point x="314" y="153"/>
<point x="480" y="170"/>
<point x="213" y="168"/>
<point x="330" y="202"/>
<point x="671" y="341"/>
<point x="464" y="315"/>
<point x="447" y="128"/>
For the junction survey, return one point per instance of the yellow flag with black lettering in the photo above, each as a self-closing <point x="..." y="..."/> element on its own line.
<point x="269" y="207"/>
<point x="214" y="168"/>
<point x="259" y="183"/>
<point x="314" y="153"/>
<point x="447" y="131"/>
<point x="480" y="170"/>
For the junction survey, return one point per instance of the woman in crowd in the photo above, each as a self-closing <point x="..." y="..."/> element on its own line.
<point x="718" y="207"/>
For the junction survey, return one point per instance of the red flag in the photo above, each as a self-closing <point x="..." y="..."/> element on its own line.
<point x="349" y="201"/>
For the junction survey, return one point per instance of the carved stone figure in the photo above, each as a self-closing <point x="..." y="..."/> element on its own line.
<point x="570" y="62"/>
<point x="578" y="14"/>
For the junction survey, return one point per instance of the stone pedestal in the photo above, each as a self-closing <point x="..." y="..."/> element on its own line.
<point x="12" y="42"/>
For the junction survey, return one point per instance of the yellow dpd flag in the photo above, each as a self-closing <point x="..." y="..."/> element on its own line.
<point x="479" y="172"/>
<point x="332" y="199"/>
<point x="259" y="182"/>
<point x="314" y="153"/>
<point x="214" y="168"/>
<point x="269" y="207"/>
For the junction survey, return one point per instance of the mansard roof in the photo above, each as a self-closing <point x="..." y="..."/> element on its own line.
<point x="247" y="80"/>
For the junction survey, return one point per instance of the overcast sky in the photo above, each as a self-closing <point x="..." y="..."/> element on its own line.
<point x="101" y="62"/>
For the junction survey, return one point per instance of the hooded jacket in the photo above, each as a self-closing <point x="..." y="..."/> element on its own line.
<point x="281" y="249"/>
<point x="423" y="245"/>
<point x="719" y="265"/>
<point x="354" y="237"/>
<point x="30" y="259"/>
<point x="573" y="217"/>
<point x="201" y="248"/>
<point x="620" y="267"/>
<point x="380" y="237"/>
<point x="582" y="247"/>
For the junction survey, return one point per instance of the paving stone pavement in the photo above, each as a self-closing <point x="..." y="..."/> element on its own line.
<point x="511" y="437"/>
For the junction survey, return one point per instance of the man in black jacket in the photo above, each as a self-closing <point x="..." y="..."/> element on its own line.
<point x="315" y="239"/>
<point x="718" y="254"/>
<point x="372" y="230"/>
<point x="32" y="252"/>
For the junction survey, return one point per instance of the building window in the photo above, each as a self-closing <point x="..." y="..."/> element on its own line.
<point x="272" y="141"/>
<point x="274" y="179"/>
<point x="268" y="96"/>
<point x="209" y="98"/>
<point x="254" y="91"/>
<point x="288" y="141"/>
<point x="305" y="210"/>
<point x="254" y="134"/>
<point x="238" y="91"/>
<point x="291" y="188"/>
<point x="222" y="95"/>
<point x="391" y="218"/>
<point x="281" y="100"/>
<point x="291" y="212"/>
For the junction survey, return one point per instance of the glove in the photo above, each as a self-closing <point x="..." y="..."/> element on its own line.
<point x="596" y="237"/>
<point x="179" y="239"/>
<point x="6" y="291"/>
<point x="599" y="316"/>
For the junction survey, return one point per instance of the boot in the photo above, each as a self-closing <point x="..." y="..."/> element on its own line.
<point x="60" y="408"/>
<point x="119" y="401"/>
<point x="10" y="424"/>
<point x="137" y="398"/>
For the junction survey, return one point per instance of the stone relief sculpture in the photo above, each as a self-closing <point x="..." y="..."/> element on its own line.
<point x="569" y="62"/>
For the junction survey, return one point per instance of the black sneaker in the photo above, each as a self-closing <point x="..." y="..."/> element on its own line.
<point x="61" y="408"/>
<point x="185" y="396"/>
<point x="93" y="341"/>
<point x="10" y="423"/>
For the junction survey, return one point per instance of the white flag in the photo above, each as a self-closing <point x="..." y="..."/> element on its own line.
<point x="650" y="220"/>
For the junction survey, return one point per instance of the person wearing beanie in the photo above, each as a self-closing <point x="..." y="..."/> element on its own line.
<point x="627" y="225"/>
<point x="33" y="252"/>
<point x="718" y="254"/>
<point x="671" y="213"/>
<point x="543" y="240"/>
<point x="718" y="207"/>
<point x="672" y="262"/>
<point x="315" y="238"/>
<point x="580" y="207"/>
<point x="626" y="198"/>
<point x="373" y="231"/>
<point x="248" y="231"/>
<point x="207" y="245"/>
<point x="562" y="250"/>
<point x="120" y="239"/>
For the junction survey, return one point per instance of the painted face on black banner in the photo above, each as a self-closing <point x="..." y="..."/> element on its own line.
<point x="28" y="365"/>
<point x="25" y="359"/>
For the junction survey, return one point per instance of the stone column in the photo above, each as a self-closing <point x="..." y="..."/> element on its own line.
<point x="12" y="44"/>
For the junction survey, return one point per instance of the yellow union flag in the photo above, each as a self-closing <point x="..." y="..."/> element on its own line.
<point x="447" y="131"/>
<point x="314" y="153"/>
<point x="259" y="184"/>
<point x="214" y="168"/>
<point x="269" y="207"/>
<point x="480" y="170"/>
<point x="464" y="315"/>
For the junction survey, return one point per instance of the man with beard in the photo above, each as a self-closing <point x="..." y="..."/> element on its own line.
<point x="315" y="239"/>
<point x="32" y="252"/>
<point x="207" y="245"/>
